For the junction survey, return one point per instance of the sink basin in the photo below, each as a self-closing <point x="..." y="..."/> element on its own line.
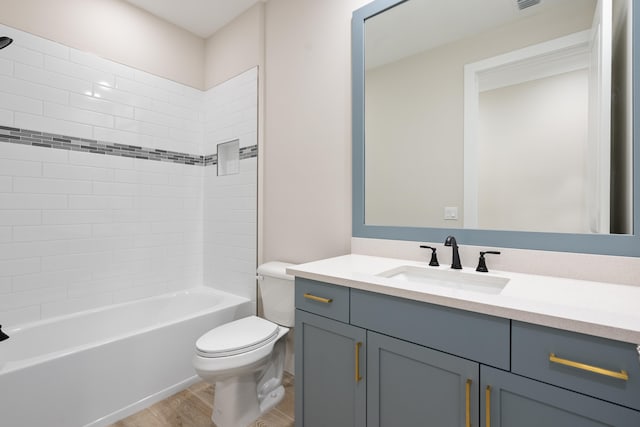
<point x="453" y="279"/>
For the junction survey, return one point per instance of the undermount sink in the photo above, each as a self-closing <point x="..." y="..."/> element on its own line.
<point x="453" y="279"/>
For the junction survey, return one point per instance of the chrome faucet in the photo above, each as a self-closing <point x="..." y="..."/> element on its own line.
<point x="455" y="261"/>
<point x="3" y="336"/>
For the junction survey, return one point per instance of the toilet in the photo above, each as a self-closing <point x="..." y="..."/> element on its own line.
<point x="245" y="358"/>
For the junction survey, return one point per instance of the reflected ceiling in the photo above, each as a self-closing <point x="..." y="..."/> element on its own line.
<point x="424" y="28"/>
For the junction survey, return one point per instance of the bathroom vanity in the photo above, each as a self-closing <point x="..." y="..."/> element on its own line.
<point x="388" y="342"/>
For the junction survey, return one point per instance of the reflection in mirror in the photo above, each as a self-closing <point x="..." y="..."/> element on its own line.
<point x="483" y="115"/>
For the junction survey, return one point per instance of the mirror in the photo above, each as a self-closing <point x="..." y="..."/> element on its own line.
<point x="512" y="127"/>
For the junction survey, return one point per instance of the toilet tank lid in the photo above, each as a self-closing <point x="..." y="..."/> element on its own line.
<point x="276" y="269"/>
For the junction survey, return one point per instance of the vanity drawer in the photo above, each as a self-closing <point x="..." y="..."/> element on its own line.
<point x="583" y="363"/>
<point x="323" y="298"/>
<point x="470" y="335"/>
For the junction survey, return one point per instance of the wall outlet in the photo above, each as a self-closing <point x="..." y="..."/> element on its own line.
<point x="450" y="212"/>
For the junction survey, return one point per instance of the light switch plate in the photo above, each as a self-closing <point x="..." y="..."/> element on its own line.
<point x="450" y="212"/>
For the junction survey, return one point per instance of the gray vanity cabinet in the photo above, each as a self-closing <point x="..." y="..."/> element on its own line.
<point x="598" y="367"/>
<point x="367" y="359"/>
<point x="509" y="400"/>
<point x="348" y="375"/>
<point x="328" y="392"/>
<point x="409" y="385"/>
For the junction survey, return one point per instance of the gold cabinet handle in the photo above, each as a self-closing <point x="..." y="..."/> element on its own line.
<point x="358" y="377"/>
<point x="487" y="409"/>
<point x="467" y="405"/>
<point x="621" y="375"/>
<point x="318" y="299"/>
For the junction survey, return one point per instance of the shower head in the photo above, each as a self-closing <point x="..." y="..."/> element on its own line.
<point x="5" y="41"/>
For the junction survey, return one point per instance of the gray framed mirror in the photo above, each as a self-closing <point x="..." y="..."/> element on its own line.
<point x="506" y="125"/>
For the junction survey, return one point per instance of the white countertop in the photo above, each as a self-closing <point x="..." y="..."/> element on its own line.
<point x="601" y="309"/>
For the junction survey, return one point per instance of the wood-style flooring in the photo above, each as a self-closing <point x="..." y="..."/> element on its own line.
<point x="192" y="408"/>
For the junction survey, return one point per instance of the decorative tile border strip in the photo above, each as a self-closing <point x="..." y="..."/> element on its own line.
<point x="70" y="143"/>
<point x="210" y="159"/>
<point x="248" y="152"/>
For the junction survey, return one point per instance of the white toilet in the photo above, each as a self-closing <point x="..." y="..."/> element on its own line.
<point x="245" y="358"/>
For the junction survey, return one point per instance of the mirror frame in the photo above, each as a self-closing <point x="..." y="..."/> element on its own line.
<point x="605" y="244"/>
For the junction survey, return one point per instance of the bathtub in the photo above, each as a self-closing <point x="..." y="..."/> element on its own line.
<point x="96" y="367"/>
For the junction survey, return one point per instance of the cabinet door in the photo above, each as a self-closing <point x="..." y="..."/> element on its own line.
<point x="410" y="385"/>
<point x="330" y="372"/>
<point x="515" y="401"/>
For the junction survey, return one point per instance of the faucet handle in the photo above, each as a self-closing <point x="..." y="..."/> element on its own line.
<point x="482" y="264"/>
<point x="434" y="257"/>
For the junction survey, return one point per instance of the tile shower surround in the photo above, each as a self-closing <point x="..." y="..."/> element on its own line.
<point x="102" y="197"/>
<point x="124" y="235"/>
<point x="65" y="142"/>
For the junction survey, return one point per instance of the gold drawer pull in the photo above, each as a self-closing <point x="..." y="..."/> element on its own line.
<point x="318" y="299"/>
<point x="487" y="409"/>
<point x="467" y="408"/>
<point x="622" y="375"/>
<point x="358" y="376"/>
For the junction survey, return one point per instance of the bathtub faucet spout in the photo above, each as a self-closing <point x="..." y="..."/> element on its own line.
<point x="3" y="336"/>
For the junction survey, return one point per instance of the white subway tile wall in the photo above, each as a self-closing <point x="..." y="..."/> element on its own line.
<point x="230" y="229"/>
<point x="53" y="88"/>
<point x="230" y="201"/>
<point x="75" y="237"/>
<point x="231" y="112"/>
<point x="79" y="230"/>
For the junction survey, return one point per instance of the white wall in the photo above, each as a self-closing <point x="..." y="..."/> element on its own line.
<point x="80" y="230"/>
<point x="307" y="151"/>
<point x="116" y="30"/>
<point x="235" y="48"/>
<point x="413" y="121"/>
<point x="532" y="155"/>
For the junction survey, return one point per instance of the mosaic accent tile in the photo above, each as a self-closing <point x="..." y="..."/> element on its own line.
<point x="210" y="159"/>
<point x="248" y="152"/>
<point x="65" y="142"/>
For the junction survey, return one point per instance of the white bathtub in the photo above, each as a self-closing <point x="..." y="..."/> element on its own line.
<point x="96" y="367"/>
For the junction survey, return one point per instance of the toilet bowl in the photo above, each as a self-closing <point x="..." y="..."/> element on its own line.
<point x="245" y="358"/>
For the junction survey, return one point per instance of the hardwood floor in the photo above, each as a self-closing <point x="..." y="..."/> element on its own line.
<point x="192" y="408"/>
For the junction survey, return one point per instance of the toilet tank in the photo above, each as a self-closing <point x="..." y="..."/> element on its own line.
<point x="277" y="291"/>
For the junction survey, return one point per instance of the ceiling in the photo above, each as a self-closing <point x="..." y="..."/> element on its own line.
<point x="201" y="17"/>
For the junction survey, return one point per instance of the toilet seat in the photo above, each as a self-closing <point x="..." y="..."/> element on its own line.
<point x="240" y="336"/>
